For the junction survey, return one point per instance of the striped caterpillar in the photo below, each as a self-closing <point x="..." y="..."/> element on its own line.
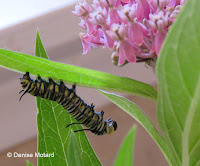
<point x="74" y="105"/>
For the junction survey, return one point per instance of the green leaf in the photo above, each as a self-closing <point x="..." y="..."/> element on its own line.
<point x="54" y="137"/>
<point x="72" y="74"/>
<point x="133" y="110"/>
<point x="74" y="152"/>
<point x="29" y="163"/>
<point x="178" y="71"/>
<point x="39" y="48"/>
<point x="125" y="154"/>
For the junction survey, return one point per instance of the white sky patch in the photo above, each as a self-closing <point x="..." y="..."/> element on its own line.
<point x="15" y="11"/>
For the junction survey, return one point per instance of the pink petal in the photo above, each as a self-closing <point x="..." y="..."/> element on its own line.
<point x="79" y="11"/>
<point x="100" y="33"/>
<point x="153" y="48"/>
<point x="145" y="31"/>
<point x="86" y="47"/>
<point x="143" y="10"/>
<point x="126" y="49"/>
<point x="112" y="35"/>
<point x="87" y="38"/>
<point x="123" y="18"/>
<point x="85" y="42"/>
<point x="82" y="24"/>
<point x="87" y="6"/>
<point x="97" y="41"/>
<point x="146" y="8"/>
<point x="123" y="31"/>
<point x="172" y="3"/>
<point x="135" y="34"/>
<point x="158" y="41"/>
<point x="91" y="28"/>
<point x="113" y="17"/>
<point x="140" y="13"/>
<point x="121" y="57"/>
<point x="108" y="40"/>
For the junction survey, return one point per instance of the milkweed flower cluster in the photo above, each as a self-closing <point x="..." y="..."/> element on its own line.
<point x="133" y="29"/>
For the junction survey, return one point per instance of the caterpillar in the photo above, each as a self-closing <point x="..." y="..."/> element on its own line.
<point x="75" y="106"/>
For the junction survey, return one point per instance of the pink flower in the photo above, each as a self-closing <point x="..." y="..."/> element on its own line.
<point x="82" y="9"/>
<point x="127" y="51"/>
<point x="91" y="40"/>
<point x="134" y="29"/>
<point x="128" y="15"/>
<point x="158" y="22"/>
<point x="100" y="17"/>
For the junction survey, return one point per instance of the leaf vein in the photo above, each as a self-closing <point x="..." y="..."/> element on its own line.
<point x="59" y="135"/>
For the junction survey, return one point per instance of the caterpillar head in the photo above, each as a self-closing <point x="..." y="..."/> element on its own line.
<point x="114" y="123"/>
<point x="111" y="126"/>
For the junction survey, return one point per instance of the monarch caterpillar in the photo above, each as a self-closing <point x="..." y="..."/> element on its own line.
<point x="75" y="106"/>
